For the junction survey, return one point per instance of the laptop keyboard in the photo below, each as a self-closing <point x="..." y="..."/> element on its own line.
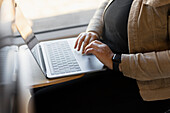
<point x="62" y="58"/>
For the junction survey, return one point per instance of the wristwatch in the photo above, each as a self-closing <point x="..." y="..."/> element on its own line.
<point x="116" y="61"/>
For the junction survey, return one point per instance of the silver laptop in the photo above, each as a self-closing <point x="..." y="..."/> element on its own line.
<point x="56" y="58"/>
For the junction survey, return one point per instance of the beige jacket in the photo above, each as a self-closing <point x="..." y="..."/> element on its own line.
<point x="149" y="46"/>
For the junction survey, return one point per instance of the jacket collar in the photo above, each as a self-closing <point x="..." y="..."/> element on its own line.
<point x="156" y="3"/>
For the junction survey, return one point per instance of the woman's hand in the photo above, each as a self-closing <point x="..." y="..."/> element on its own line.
<point x="85" y="37"/>
<point x="101" y="51"/>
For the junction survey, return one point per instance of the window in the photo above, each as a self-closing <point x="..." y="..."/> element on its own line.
<point x="55" y="15"/>
<point x="34" y="9"/>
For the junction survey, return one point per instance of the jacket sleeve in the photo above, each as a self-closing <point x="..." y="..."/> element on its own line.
<point x="146" y="66"/>
<point x="96" y="23"/>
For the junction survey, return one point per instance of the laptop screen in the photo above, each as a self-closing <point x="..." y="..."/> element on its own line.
<point x="25" y="29"/>
<point x="28" y="36"/>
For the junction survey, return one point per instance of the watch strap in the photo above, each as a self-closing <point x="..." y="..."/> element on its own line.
<point x="116" y="61"/>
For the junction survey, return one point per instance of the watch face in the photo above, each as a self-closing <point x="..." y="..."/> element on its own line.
<point x="116" y="58"/>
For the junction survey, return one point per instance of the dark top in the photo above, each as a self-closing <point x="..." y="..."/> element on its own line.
<point x="115" y="26"/>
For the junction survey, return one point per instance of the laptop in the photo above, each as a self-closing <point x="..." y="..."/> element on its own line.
<point x="56" y="58"/>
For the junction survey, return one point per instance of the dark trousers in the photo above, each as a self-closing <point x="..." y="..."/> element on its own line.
<point x="101" y="92"/>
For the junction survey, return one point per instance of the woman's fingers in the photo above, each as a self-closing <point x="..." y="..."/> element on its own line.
<point x="94" y="44"/>
<point x="81" y="41"/>
<point x="90" y="51"/>
<point x="98" y="42"/>
<point x="86" y="42"/>
<point x="76" y="43"/>
<point x="84" y="39"/>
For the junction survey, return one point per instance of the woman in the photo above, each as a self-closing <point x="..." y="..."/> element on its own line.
<point x="134" y="45"/>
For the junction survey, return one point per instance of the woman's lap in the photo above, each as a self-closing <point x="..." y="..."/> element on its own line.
<point x="102" y="92"/>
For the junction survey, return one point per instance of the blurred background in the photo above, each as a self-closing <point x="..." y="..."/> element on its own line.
<point x="35" y="9"/>
<point x="53" y="15"/>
